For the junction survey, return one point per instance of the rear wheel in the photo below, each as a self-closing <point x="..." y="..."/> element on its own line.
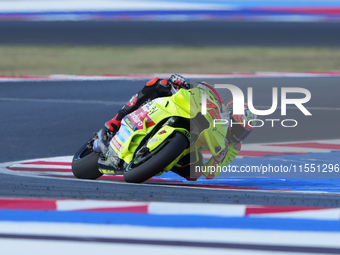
<point x="147" y="164"/>
<point x="85" y="164"/>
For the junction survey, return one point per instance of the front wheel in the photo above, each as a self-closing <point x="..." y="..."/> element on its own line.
<point x="144" y="167"/>
<point x="85" y="164"/>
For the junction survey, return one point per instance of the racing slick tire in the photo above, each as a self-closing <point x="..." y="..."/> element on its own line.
<point x="85" y="164"/>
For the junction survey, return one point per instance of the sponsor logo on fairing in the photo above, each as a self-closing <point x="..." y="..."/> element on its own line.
<point x="136" y="119"/>
<point x="123" y="133"/>
<point x="116" y="144"/>
<point x="129" y="123"/>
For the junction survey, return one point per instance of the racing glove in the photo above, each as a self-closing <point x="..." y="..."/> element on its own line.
<point x="113" y="125"/>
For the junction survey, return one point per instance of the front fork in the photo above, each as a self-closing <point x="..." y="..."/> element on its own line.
<point x="100" y="142"/>
<point x="108" y="162"/>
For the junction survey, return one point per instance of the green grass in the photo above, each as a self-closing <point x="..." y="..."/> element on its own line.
<point x="46" y="60"/>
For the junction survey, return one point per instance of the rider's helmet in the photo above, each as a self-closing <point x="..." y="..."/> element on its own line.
<point x="240" y="125"/>
<point x="177" y="82"/>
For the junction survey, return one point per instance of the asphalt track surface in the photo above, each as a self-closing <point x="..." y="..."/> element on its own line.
<point x="188" y="33"/>
<point x="47" y="119"/>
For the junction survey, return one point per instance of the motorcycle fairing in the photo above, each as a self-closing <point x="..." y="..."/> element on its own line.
<point x="137" y="125"/>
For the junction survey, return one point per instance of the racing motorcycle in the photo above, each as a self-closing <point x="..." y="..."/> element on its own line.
<point x="155" y="137"/>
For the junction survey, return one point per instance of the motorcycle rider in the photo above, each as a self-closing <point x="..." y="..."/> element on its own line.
<point x="163" y="88"/>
